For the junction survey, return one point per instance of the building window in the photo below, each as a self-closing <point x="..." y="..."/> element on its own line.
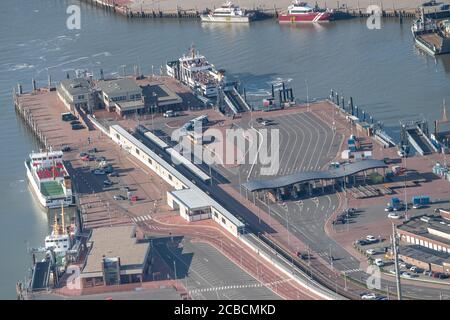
<point x="137" y="151"/>
<point x="81" y="97"/>
<point x="216" y="215"/>
<point x="170" y="177"/>
<point x="223" y="221"/>
<point x="150" y="161"/>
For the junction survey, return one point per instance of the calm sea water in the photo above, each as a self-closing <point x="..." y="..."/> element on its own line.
<point x="381" y="69"/>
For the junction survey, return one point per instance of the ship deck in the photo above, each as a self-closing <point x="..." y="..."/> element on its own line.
<point x="432" y="39"/>
<point x="51" y="189"/>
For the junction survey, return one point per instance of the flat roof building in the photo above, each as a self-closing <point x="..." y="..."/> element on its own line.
<point x="431" y="232"/>
<point x="425" y="258"/>
<point x="123" y="96"/>
<point x="115" y="257"/>
<point x="75" y="93"/>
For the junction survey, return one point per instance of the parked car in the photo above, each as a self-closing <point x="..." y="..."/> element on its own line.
<point x="82" y="154"/>
<point x="371" y="251"/>
<point x="113" y="174"/>
<point x="75" y="122"/>
<point x="403" y="265"/>
<point x="100" y="159"/>
<point x="170" y="114"/>
<point x="65" y="149"/>
<point x="371" y="239"/>
<point x="388" y="209"/>
<point x="443" y="276"/>
<point x="379" y="262"/>
<point x="98" y="172"/>
<point x="362" y="242"/>
<point x="93" y="150"/>
<point x="302" y="255"/>
<point x="266" y="122"/>
<point x="108" y="169"/>
<point x="435" y="274"/>
<point x="406" y="275"/>
<point x="77" y="127"/>
<point x="86" y="157"/>
<point x="394" y="215"/>
<point x="427" y="273"/>
<point x="119" y="197"/>
<point x="369" y="296"/>
<point x="415" y="269"/>
<point x="107" y="183"/>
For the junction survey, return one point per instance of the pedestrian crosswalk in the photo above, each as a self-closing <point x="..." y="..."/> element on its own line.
<point x="141" y="218"/>
<point x="351" y="271"/>
<point x="241" y="286"/>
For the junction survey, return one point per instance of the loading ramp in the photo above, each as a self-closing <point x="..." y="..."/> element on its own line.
<point x="235" y="101"/>
<point x="41" y="276"/>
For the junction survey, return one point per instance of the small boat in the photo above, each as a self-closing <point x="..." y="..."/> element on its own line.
<point x="301" y="12"/>
<point x="228" y="12"/>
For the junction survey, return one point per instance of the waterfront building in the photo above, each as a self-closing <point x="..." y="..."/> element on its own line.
<point x="75" y="93"/>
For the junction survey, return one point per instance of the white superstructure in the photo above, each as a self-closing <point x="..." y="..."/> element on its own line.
<point x="228" y="12"/>
<point x="49" y="179"/>
<point x="195" y="71"/>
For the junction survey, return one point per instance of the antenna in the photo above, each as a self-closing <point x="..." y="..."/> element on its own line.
<point x="62" y="218"/>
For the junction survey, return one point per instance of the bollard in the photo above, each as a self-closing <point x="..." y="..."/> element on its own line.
<point x="33" y="84"/>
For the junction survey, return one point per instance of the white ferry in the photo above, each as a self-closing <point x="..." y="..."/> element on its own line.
<point x="49" y="179"/>
<point x="228" y="12"/>
<point x="196" y="72"/>
<point x="61" y="238"/>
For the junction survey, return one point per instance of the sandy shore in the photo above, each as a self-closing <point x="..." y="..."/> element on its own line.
<point x="171" y="5"/>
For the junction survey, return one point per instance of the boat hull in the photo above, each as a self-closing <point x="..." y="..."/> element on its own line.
<point x="233" y="19"/>
<point x="42" y="200"/>
<point x="307" y="17"/>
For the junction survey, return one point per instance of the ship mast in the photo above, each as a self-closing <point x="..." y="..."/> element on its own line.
<point x="62" y="218"/>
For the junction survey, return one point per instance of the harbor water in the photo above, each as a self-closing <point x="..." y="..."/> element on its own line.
<point x="383" y="71"/>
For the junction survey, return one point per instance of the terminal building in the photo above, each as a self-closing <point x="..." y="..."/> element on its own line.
<point x="116" y="256"/>
<point x="188" y="199"/>
<point x="123" y="96"/>
<point x="426" y="242"/>
<point x="75" y="93"/>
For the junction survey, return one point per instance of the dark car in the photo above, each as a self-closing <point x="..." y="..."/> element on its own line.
<point x="93" y="150"/>
<point x="100" y="159"/>
<point x="362" y="242"/>
<point x="82" y="154"/>
<point x="107" y="183"/>
<point x="77" y="127"/>
<point x="108" y="169"/>
<point x="302" y="255"/>
<point x="113" y="174"/>
<point x="75" y="122"/>
<point x="119" y="197"/>
<point x="65" y="149"/>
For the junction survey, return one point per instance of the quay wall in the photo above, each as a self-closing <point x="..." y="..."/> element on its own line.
<point x="191" y="9"/>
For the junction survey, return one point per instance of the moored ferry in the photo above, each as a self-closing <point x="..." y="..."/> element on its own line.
<point x="228" y="12"/>
<point x="299" y="12"/>
<point x="196" y="72"/>
<point x="49" y="179"/>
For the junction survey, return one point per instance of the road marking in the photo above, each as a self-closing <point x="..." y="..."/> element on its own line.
<point x="251" y="285"/>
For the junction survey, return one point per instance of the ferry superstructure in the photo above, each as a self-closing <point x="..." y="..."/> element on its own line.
<point x="228" y="12"/>
<point x="432" y="36"/>
<point x="301" y="12"/>
<point x="435" y="10"/>
<point x="60" y="241"/>
<point x="49" y="179"/>
<point x="196" y="72"/>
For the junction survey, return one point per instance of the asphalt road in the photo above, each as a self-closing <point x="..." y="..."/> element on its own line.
<point x="207" y="274"/>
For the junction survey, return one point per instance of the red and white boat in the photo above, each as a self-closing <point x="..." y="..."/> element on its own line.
<point x="302" y="12"/>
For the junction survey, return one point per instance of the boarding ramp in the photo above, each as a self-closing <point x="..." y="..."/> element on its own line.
<point x="235" y="101"/>
<point x="419" y="141"/>
<point x="41" y="276"/>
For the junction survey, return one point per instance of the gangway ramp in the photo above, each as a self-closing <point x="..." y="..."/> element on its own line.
<point x="235" y="101"/>
<point x="419" y="142"/>
<point x="41" y="276"/>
